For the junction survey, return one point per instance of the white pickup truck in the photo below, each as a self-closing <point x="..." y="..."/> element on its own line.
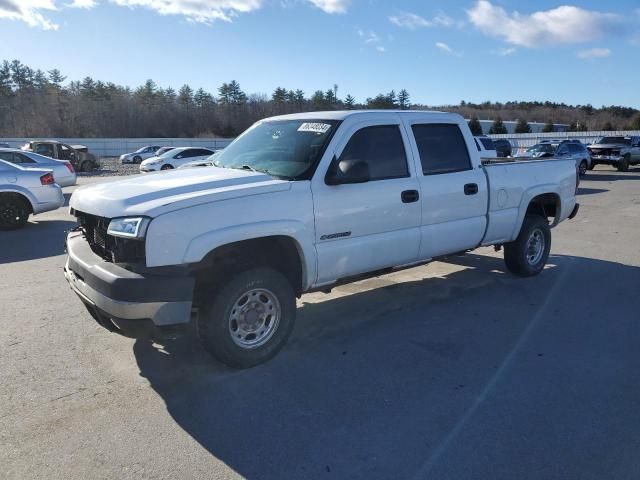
<point x="301" y="203"/>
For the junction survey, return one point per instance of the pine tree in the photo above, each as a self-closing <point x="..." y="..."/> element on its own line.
<point x="475" y="126"/>
<point x="549" y="127"/>
<point x="523" y="126"/>
<point x="404" y="99"/>
<point x="608" y="127"/>
<point x="498" y="127"/>
<point x="349" y="102"/>
<point x="279" y="95"/>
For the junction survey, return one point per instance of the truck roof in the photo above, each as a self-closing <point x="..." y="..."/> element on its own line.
<point x="344" y="114"/>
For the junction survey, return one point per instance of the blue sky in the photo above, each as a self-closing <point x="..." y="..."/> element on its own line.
<point x="442" y="52"/>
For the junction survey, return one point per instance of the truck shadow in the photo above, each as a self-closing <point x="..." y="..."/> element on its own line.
<point x="376" y="375"/>
<point x="38" y="239"/>
<point x="591" y="191"/>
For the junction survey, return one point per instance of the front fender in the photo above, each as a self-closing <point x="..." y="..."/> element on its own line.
<point x="200" y="246"/>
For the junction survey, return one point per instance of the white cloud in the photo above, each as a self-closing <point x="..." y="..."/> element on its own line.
<point x="505" y="52"/>
<point x="443" y="47"/>
<point x="28" y="11"/>
<point x="82" y="4"/>
<point x="561" y="25"/>
<point x="381" y="49"/>
<point x="201" y="11"/>
<point x="332" y="6"/>
<point x="594" y="53"/>
<point x="413" y="21"/>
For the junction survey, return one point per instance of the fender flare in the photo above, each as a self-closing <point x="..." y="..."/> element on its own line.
<point x="202" y="245"/>
<point x="23" y="192"/>
<point x="529" y="195"/>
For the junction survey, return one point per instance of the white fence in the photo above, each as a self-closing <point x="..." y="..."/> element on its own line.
<point x="530" y="139"/>
<point x="112" y="147"/>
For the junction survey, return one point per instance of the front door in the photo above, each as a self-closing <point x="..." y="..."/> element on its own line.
<point x="368" y="226"/>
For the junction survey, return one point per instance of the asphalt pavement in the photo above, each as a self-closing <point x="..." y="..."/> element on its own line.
<point x="455" y="370"/>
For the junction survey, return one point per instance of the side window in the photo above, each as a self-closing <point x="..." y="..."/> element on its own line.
<point x="7" y="156"/>
<point x="575" y="148"/>
<point x="45" y="149"/>
<point x="20" y="158"/>
<point x="563" y="150"/>
<point x="65" y="152"/>
<point x="382" y="148"/>
<point x="442" y="148"/>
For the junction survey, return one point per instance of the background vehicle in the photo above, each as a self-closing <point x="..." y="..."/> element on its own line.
<point x="24" y="192"/>
<point x="486" y="147"/>
<point x="63" y="171"/>
<point x="163" y="150"/>
<point x="175" y="158"/>
<point x="4" y="145"/>
<point x="139" y="155"/>
<point x="503" y="147"/>
<point x="300" y="203"/>
<point x="577" y="151"/>
<point x="619" y="152"/>
<point x="81" y="161"/>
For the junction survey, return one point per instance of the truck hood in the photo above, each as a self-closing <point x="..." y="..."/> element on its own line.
<point x="158" y="193"/>
<point x="607" y="146"/>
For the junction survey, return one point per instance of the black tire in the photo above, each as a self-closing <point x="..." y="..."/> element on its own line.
<point x="583" y="167"/>
<point x="519" y="256"/>
<point x="166" y="167"/>
<point x="216" y="319"/>
<point x="85" y="166"/>
<point x="14" y="211"/>
<point x="592" y="165"/>
<point x="623" y="165"/>
<point x="137" y="159"/>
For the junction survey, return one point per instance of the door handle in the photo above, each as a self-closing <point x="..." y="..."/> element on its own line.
<point x="471" y="189"/>
<point x="410" y="196"/>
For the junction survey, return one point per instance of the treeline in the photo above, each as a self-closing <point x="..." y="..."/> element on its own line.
<point x="34" y="103"/>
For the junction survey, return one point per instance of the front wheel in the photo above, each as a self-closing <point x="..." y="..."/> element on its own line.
<point x="623" y="165"/>
<point x="527" y="255"/>
<point x="137" y="159"/>
<point x="248" y="321"/>
<point x="166" y="167"/>
<point x="583" y="167"/>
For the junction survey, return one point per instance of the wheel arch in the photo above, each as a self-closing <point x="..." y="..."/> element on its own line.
<point x="544" y="202"/>
<point x="25" y="195"/>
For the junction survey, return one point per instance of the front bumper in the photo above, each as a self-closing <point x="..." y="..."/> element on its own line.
<point x="132" y="304"/>
<point x="148" y="168"/>
<point x="606" y="159"/>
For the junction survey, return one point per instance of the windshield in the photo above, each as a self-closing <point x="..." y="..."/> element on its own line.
<point x="542" y="148"/>
<point x="141" y="150"/>
<point x="287" y="148"/>
<point x="610" y="140"/>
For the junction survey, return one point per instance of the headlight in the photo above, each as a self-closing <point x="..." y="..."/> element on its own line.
<point x="129" y="227"/>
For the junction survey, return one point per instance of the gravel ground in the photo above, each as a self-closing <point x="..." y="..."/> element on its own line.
<point x="111" y="166"/>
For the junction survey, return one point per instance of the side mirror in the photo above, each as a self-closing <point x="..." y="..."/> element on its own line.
<point x="347" y="172"/>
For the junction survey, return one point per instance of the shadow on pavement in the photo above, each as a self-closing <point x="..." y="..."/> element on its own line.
<point x="37" y="239"/>
<point x="613" y="177"/>
<point x="384" y="382"/>
<point x="591" y="191"/>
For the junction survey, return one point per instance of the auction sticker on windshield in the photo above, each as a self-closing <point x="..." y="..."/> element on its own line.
<point x="314" y="127"/>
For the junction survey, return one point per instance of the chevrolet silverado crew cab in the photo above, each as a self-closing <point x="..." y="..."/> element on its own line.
<point x="619" y="152"/>
<point x="301" y="203"/>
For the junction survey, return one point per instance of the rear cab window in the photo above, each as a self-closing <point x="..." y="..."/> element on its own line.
<point x="442" y="148"/>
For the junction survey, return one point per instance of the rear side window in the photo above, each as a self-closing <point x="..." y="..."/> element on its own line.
<point x="45" y="149"/>
<point x="576" y="148"/>
<point x="7" y="156"/>
<point x="488" y="143"/>
<point x="20" y="158"/>
<point x="442" y="148"/>
<point x="382" y="148"/>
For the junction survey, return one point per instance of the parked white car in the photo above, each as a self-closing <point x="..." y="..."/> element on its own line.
<point x="63" y="172"/>
<point x="302" y="203"/>
<point x="175" y="158"/>
<point x="24" y="192"/>
<point x="139" y="155"/>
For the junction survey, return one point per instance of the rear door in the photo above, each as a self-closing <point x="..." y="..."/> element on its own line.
<point x="368" y="226"/>
<point x="454" y="196"/>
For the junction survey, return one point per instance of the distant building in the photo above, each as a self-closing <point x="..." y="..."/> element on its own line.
<point x="535" y="127"/>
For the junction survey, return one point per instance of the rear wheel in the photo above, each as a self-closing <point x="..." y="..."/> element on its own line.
<point x="166" y="167"/>
<point x="14" y="211"/>
<point x="85" y="166"/>
<point x="249" y="320"/>
<point x="527" y="255"/>
<point x="137" y="159"/>
<point x="591" y="166"/>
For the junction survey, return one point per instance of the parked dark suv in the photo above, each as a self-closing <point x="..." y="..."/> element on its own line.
<point x="503" y="147"/>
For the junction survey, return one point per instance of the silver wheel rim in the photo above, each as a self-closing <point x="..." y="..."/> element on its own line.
<point x="583" y="168"/>
<point x="254" y="318"/>
<point x="535" y="247"/>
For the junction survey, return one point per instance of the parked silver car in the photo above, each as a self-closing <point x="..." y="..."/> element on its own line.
<point x="63" y="172"/>
<point x="24" y="192"/>
<point x="139" y="155"/>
